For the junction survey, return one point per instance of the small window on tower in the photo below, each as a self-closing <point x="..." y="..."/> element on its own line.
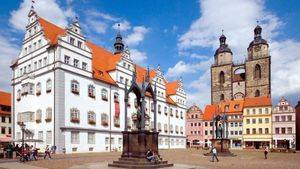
<point x="222" y="78"/>
<point x="222" y="97"/>
<point x="257" y="93"/>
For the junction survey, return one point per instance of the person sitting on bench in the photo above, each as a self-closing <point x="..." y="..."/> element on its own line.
<point x="151" y="156"/>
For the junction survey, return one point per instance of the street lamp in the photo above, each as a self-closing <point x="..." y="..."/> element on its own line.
<point x="22" y="125"/>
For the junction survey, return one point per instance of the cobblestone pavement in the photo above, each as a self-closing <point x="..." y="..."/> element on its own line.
<point x="17" y="165"/>
<point x="183" y="159"/>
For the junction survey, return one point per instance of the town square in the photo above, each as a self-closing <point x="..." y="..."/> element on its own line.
<point x="177" y="84"/>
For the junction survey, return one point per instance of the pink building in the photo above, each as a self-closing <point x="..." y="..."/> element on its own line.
<point x="207" y="124"/>
<point x="193" y="126"/>
<point x="284" y="126"/>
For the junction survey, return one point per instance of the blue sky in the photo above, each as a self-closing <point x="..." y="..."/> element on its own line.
<point x="179" y="35"/>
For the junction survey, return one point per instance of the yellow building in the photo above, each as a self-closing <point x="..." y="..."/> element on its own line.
<point x="257" y="120"/>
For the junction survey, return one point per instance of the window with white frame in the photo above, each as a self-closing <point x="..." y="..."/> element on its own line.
<point x="91" y="90"/>
<point x="159" y="108"/>
<point x="166" y="110"/>
<point x="19" y="95"/>
<point x="67" y="59"/>
<point x="116" y="97"/>
<point x="76" y="63"/>
<point x="79" y="44"/>
<point x="104" y="119"/>
<point x="84" y="66"/>
<point x="74" y="87"/>
<point x="91" y="138"/>
<point x="40" y="135"/>
<point x="74" y="137"/>
<point x="104" y="94"/>
<point x="91" y="117"/>
<point x="106" y="140"/>
<point x="48" y="85"/>
<point x="45" y="61"/>
<point x="38" y="117"/>
<point x="48" y="114"/>
<point x="75" y="115"/>
<point x="49" y="137"/>
<point x="166" y="128"/>
<point x="159" y="126"/>
<point x="72" y="40"/>
<point x="38" y="88"/>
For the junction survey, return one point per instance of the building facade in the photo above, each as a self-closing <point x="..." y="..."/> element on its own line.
<point x="284" y="126"/>
<point x="297" y="110"/>
<point x="194" y="127"/>
<point x="257" y="122"/>
<point x="5" y="114"/>
<point x="209" y="112"/>
<point x="69" y="92"/>
<point x="239" y="80"/>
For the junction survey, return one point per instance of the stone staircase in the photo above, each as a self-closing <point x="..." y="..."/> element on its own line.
<point x="129" y="162"/>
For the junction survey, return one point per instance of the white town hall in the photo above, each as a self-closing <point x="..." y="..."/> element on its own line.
<point x="69" y="92"/>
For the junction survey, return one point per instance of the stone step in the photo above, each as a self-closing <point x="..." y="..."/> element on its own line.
<point x="139" y="162"/>
<point x="140" y="166"/>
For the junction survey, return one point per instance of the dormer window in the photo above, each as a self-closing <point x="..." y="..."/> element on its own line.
<point x="236" y="107"/>
<point x="75" y="87"/>
<point x="72" y="41"/>
<point x="226" y="108"/>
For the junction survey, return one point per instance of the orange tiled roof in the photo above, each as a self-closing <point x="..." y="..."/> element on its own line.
<point x="51" y="31"/>
<point x="5" y="98"/>
<point x="170" y="100"/>
<point x="103" y="62"/>
<point x="172" y="87"/>
<point x="232" y="103"/>
<point x="209" y="112"/>
<point x="141" y="73"/>
<point x="258" y="101"/>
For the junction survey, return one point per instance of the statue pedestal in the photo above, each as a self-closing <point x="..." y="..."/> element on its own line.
<point x="222" y="146"/>
<point x="135" y="147"/>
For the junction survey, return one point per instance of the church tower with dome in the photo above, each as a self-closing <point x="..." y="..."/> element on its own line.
<point x="233" y="81"/>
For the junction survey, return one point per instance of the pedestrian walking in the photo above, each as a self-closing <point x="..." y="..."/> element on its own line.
<point x="266" y="151"/>
<point x="47" y="152"/>
<point x="214" y="154"/>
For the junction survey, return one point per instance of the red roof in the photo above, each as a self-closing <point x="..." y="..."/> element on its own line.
<point x="234" y="106"/>
<point x="5" y="98"/>
<point x="258" y="101"/>
<point x="209" y="112"/>
<point x="172" y="87"/>
<point x="103" y="61"/>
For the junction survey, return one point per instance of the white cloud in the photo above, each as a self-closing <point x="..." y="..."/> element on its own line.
<point x="49" y="9"/>
<point x="182" y="68"/>
<point x="137" y="36"/>
<point x="8" y="51"/>
<point x="124" y="26"/>
<point x="96" y="25"/>
<point x="138" y="56"/>
<point x="105" y="16"/>
<point x="238" y="21"/>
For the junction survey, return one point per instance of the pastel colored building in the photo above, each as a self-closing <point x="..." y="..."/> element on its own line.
<point x="297" y="110"/>
<point x="69" y="91"/>
<point x="284" y="126"/>
<point x="5" y="115"/>
<point x="194" y="127"/>
<point x="257" y="122"/>
<point x="234" y="111"/>
<point x="209" y="112"/>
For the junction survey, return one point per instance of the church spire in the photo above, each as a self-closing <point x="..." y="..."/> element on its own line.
<point x="119" y="45"/>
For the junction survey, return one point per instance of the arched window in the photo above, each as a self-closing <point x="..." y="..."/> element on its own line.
<point x="222" y="77"/>
<point x="91" y="117"/>
<point x="222" y="97"/>
<point x="38" y="89"/>
<point x="48" y="86"/>
<point x="257" y="72"/>
<point x="75" y="115"/>
<point x="74" y="87"/>
<point x="19" y="95"/>
<point x="116" y="97"/>
<point x="257" y="93"/>
<point x="91" y="90"/>
<point x="48" y="114"/>
<point x="181" y="115"/>
<point x="104" y="94"/>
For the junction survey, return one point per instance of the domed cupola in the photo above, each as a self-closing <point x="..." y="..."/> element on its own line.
<point x="223" y="46"/>
<point x="257" y="37"/>
<point x="119" y="45"/>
